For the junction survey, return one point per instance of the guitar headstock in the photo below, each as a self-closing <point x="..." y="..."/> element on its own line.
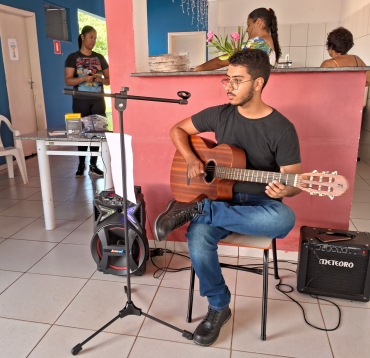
<point x="322" y="184"/>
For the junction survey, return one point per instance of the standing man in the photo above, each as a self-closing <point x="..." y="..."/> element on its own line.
<point x="270" y="143"/>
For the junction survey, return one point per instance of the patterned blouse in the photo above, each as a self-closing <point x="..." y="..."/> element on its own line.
<point x="261" y="44"/>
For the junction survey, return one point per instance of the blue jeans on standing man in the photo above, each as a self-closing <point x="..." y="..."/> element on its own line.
<point x="244" y="214"/>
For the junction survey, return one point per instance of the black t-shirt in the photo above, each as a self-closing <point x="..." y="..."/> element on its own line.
<point x="84" y="65"/>
<point x="269" y="142"/>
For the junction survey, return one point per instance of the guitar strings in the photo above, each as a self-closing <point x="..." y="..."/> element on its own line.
<point x="232" y="172"/>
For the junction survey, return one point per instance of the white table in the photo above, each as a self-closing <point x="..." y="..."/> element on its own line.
<point x="43" y="142"/>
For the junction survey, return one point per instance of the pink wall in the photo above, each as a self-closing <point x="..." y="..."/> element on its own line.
<point x="325" y="108"/>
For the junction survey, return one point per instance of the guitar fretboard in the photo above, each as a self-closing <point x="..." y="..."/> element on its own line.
<point x="254" y="176"/>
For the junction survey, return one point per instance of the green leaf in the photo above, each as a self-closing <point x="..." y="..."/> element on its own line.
<point x="228" y="47"/>
<point x="225" y="57"/>
<point x="218" y="38"/>
<point x="213" y="52"/>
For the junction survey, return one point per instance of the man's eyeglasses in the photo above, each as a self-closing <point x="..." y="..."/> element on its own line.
<point x="234" y="82"/>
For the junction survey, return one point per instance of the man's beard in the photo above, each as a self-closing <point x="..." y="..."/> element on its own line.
<point x="246" y="98"/>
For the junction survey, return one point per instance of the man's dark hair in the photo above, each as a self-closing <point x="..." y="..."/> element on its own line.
<point x="256" y="62"/>
<point x="340" y="40"/>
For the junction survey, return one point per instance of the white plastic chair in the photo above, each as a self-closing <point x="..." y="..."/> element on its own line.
<point x="16" y="151"/>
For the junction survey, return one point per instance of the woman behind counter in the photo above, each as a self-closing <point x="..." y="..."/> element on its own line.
<point x="339" y="42"/>
<point x="84" y="70"/>
<point x="262" y="32"/>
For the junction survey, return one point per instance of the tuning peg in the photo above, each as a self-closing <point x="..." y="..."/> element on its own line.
<point x="314" y="171"/>
<point x="335" y="173"/>
<point x="325" y="173"/>
<point x="331" y="197"/>
<point x="321" y="194"/>
<point x="312" y="193"/>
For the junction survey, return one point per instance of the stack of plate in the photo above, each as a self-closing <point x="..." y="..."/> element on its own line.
<point x="169" y="63"/>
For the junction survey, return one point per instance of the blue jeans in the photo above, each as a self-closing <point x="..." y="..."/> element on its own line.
<point x="245" y="214"/>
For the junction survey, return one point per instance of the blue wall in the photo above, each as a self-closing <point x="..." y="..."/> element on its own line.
<point x="166" y="16"/>
<point x="52" y="66"/>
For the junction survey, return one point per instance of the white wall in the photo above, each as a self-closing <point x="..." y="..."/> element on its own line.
<point x="231" y="12"/>
<point x="141" y="35"/>
<point x="303" y="25"/>
<point x="348" y="7"/>
<point x="357" y="20"/>
<point x="212" y="24"/>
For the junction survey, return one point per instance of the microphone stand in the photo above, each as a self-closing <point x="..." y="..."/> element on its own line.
<point x="120" y="105"/>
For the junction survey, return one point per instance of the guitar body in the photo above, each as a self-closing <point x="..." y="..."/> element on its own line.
<point x="188" y="190"/>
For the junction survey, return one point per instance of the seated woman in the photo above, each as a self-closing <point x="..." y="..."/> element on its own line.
<point x="262" y="32"/>
<point x="339" y="42"/>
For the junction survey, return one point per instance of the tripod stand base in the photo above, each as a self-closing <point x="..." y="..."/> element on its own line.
<point x="76" y="349"/>
<point x="129" y="310"/>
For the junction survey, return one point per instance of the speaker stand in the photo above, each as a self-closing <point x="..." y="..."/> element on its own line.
<point x="130" y="309"/>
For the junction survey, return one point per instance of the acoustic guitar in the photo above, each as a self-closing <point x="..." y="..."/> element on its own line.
<point x="225" y="165"/>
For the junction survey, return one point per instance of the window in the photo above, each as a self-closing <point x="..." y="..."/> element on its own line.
<point x="56" y="22"/>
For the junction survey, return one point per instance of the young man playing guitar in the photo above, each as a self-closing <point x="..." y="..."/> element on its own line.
<point x="270" y="143"/>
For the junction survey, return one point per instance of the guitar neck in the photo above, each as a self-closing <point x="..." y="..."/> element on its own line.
<point x="255" y="176"/>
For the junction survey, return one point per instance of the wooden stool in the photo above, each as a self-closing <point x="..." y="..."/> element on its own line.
<point x="258" y="242"/>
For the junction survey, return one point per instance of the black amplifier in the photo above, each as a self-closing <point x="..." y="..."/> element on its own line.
<point x="108" y="246"/>
<point x="338" y="268"/>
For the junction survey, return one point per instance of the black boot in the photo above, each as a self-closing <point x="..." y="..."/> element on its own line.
<point x="209" y="329"/>
<point x="176" y="215"/>
<point x="94" y="170"/>
<point x="80" y="170"/>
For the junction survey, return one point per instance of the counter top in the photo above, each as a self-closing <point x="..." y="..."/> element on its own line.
<point x="275" y="70"/>
<point x="43" y="134"/>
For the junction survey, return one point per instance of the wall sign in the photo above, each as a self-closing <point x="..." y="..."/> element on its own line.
<point x="57" y="48"/>
<point x="13" y="50"/>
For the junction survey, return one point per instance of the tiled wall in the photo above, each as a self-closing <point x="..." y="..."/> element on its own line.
<point x="364" y="148"/>
<point x="359" y="24"/>
<point x="305" y="42"/>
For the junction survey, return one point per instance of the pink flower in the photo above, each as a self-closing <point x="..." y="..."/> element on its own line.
<point x="210" y="36"/>
<point x="235" y="36"/>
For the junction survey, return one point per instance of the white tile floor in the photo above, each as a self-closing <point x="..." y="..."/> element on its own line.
<point x="52" y="297"/>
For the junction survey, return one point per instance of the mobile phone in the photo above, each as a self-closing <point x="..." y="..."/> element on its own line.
<point x="330" y="236"/>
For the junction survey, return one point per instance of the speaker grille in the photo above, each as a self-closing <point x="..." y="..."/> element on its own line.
<point x="336" y="279"/>
<point x="96" y="213"/>
<point x="138" y="215"/>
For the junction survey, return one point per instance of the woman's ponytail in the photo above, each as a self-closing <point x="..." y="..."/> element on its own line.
<point x="274" y="34"/>
<point x="79" y="42"/>
<point x="269" y="18"/>
<point x="86" y="29"/>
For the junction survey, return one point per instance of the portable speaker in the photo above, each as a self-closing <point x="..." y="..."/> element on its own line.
<point x="338" y="268"/>
<point x="108" y="246"/>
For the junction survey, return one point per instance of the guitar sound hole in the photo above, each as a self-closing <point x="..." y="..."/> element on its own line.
<point x="210" y="171"/>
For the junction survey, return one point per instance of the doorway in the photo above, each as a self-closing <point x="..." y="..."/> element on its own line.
<point x="20" y="55"/>
<point x="101" y="46"/>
